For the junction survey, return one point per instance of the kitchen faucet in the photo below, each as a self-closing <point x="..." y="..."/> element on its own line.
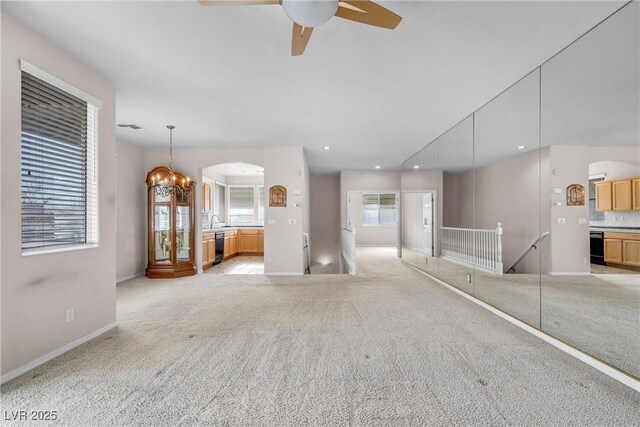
<point x="214" y="220"/>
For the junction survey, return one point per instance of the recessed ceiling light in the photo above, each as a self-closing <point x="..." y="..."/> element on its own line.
<point x="326" y="147"/>
<point x="521" y="147"/>
<point x="416" y="166"/>
<point x="378" y="166"/>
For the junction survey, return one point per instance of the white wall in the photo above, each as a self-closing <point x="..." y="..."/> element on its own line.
<point x="38" y="289"/>
<point x="131" y="211"/>
<point x="282" y="165"/>
<point x="325" y="223"/>
<point x="569" y="242"/>
<point x="507" y="191"/>
<point x="420" y="181"/>
<point x="283" y="241"/>
<point x="372" y="235"/>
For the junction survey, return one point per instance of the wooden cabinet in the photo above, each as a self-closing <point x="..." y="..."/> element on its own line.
<point x="205" y="253"/>
<point x="631" y="252"/>
<point x="622" y="196"/>
<point x="604" y="196"/>
<point x="248" y="241"/>
<point x="233" y="244"/>
<point x="618" y="195"/>
<point x="635" y="193"/>
<point x="206" y="197"/>
<point x="613" y="250"/>
<point x="622" y="248"/>
<point x="170" y="224"/>
<point x="227" y="247"/>
<point x="261" y="242"/>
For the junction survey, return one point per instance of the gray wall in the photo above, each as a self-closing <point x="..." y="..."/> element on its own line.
<point x="38" y="289"/>
<point x="506" y="192"/>
<point x="131" y="210"/>
<point x="325" y="223"/>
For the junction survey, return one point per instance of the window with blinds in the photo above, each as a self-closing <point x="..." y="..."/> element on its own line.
<point x="58" y="167"/>
<point x="379" y="209"/>
<point x="242" y="204"/>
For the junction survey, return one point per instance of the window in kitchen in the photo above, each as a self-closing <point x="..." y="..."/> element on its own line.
<point x="379" y="209"/>
<point x="242" y="206"/>
<point x="59" y="181"/>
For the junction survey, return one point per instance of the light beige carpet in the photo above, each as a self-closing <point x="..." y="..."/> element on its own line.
<point x="388" y="347"/>
<point x="599" y="313"/>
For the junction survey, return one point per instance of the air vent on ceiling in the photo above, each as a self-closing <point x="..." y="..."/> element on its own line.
<point x="130" y="126"/>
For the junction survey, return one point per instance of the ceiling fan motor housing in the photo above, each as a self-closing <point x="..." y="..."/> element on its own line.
<point x="310" y="13"/>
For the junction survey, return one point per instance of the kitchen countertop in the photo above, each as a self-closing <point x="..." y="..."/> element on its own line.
<point x="616" y="229"/>
<point x="239" y="227"/>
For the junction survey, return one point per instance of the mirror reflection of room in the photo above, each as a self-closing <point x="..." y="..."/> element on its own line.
<point x="537" y="197"/>
<point x="233" y="219"/>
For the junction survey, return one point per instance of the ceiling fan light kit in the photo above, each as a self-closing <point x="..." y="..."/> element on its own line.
<point x="308" y="14"/>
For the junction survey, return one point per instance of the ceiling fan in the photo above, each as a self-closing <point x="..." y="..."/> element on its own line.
<point x="308" y="14"/>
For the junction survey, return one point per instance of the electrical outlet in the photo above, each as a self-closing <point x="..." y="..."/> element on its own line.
<point x="292" y="222"/>
<point x="582" y="221"/>
<point x="70" y="315"/>
<point x="468" y="277"/>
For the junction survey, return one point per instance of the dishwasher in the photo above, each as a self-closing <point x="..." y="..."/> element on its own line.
<point x="219" y="248"/>
<point x="597" y="247"/>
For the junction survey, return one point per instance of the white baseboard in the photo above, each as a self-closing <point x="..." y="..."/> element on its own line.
<point x="287" y="273"/>
<point x="578" y="354"/>
<point x="387" y="245"/>
<point x="133" y="276"/>
<point x="569" y="273"/>
<point x="55" y="353"/>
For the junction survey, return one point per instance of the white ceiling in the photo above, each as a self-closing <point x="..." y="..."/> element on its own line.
<point x="234" y="169"/>
<point x="224" y="76"/>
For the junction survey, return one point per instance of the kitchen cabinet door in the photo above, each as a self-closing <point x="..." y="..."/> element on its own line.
<point x="205" y="252"/>
<point x="248" y="241"/>
<point x="261" y="243"/>
<point x="233" y="244"/>
<point x="206" y="197"/>
<point x="227" y="247"/>
<point x="631" y="252"/>
<point x="613" y="250"/>
<point x="622" y="195"/>
<point x="604" y="197"/>
<point x="635" y="190"/>
<point x="212" y="249"/>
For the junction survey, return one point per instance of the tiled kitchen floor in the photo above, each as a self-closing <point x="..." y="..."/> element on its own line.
<point x="243" y="264"/>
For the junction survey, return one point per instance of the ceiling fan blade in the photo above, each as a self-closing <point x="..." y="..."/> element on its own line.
<point x="299" y="39"/>
<point x="368" y="12"/>
<point x="236" y="2"/>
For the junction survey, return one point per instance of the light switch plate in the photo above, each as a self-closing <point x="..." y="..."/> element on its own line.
<point x="582" y="220"/>
<point x="557" y="190"/>
<point x="271" y="222"/>
<point x="557" y="203"/>
<point x="296" y="192"/>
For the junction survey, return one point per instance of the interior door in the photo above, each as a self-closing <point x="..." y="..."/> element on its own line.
<point x="427" y="224"/>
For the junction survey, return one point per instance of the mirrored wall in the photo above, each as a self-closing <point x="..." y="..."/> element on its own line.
<point x="532" y="203"/>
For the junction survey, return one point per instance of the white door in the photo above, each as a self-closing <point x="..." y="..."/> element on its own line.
<point x="427" y="223"/>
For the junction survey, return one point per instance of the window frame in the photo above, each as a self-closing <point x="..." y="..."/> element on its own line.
<point x="379" y="208"/>
<point x="91" y="196"/>
<point x="256" y="204"/>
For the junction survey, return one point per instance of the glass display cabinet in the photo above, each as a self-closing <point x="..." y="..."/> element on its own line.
<point x="171" y="224"/>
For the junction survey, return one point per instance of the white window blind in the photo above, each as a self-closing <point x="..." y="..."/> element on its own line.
<point x="379" y="209"/>
<point x="261" y="203"/>
<point x="58" y="167"/>
<point x="241" y="204"/>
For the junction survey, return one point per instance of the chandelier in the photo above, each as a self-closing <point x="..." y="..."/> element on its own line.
<point x="165" y="187"/>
